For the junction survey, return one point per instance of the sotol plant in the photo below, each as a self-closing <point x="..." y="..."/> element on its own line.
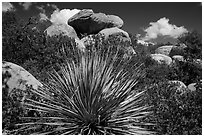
<point x="88" y="97"/>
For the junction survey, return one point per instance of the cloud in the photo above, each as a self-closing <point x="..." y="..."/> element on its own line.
<point x="43" y="16"/>
<point x="62" y="16"/>
<point x="58" y="16"/>
<point x="52" y="5"/>
<point x="163" y="28"/>
<point x="41" y="8"/>
<point x="26" y="5"/>
<point x="7" y="6"/>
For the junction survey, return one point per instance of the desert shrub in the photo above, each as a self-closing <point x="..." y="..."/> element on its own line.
<point x="87" y="97"/>
<point x="188" y="71"/>
<point x="175" y="114"/>
<point x="11" y="111"/>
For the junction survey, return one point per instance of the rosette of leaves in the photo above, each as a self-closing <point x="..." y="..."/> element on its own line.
<point x="87" y="97"/>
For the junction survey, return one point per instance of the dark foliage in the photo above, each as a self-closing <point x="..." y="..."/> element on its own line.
<point x="193" y="41"/>
<point x="175" y="114"/>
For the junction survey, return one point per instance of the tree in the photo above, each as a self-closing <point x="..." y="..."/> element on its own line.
<point x="193" y="41"/>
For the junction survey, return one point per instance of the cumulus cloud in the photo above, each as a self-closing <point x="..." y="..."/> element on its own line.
<point x="6" y="6"/>
<point x="62" y="16"/>
<point x="163" y="28"/>
<point x="58" y="16"/>
<point x="52" y="5"/>
<point x="26" y="5"/>
<point x="42" y="13"/>
<point x="43" y="16"/>
<point x="41" y="8"/>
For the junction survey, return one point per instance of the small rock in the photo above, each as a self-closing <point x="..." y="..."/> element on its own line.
<point x="192" y="87"/>
<point x="178" y="57"/>
<point x="160" y="58"/>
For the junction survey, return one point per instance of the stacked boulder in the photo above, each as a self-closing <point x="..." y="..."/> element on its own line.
<point x="175" y="52"/>
<point x="170" y="50"/>
<point x="86" y="23"/>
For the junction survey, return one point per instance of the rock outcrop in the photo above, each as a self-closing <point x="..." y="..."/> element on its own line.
<point x="170" y="50"/>
<point x="160" y="58"/>
<point x="16" y="77"/>
<point x="88" y="22"/>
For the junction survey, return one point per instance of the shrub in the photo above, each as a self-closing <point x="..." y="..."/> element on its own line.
<point x="87" y="97"/>
<point x="193" y="41"/>
<point x="188" y="72"/>
<point x="175" y="114"/>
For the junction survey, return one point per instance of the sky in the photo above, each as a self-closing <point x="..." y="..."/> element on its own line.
<point x="150" y="21"/>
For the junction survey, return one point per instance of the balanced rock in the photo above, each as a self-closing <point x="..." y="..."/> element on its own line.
<point x="16" y="77"/>
<point x="160" y="58"/>
<point x="169" y="50"/>
<point x="88" y="22"/>
<point x="107" y="32"/>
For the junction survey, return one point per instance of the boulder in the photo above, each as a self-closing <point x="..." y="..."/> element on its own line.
<point x="192" y="87"/>
<point x="160" y="58"/>
<point x="198" y="61"/>
<point x="178" y="57"/>
<point x="64" y="29"/>
<point x="16" y="77"/>
<point x="165" y="50"/>
<point x="179" y="85"/>
<point x="170" y="50"/>
<point x="90" y="40"/>
<point x="107" y="32"/>
<point x="88" y="22"/>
